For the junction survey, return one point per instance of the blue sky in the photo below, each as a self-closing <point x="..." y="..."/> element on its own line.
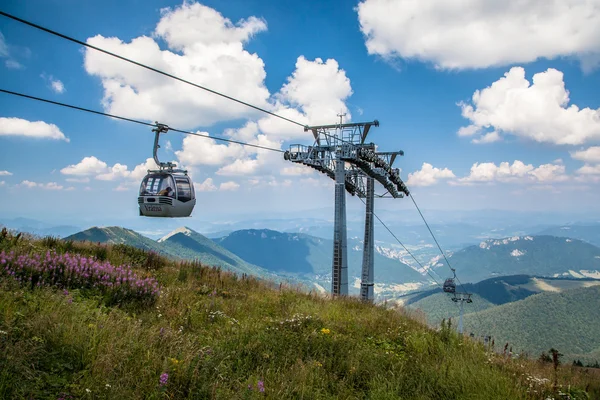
<point x="382" y="60"/>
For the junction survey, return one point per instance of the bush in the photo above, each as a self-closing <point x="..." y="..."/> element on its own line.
<point x="74" y="271"/>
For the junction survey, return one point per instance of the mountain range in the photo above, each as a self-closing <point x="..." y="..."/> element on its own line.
<point x="532" y="255"/>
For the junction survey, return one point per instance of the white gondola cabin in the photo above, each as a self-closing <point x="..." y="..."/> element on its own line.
<point x="166" y="192"/>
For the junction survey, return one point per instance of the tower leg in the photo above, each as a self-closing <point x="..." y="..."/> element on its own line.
<point x="368" y="273"/>
<point x="460" y="321"/>
<point x="339" y="270"/>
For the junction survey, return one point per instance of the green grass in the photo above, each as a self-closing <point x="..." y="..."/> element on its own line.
<point x="215" y="333"/>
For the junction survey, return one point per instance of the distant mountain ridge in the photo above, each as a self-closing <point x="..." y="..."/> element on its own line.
<point x="588" y="233"/>
<point x="182" y="243"/>
<point x="532" y="255"/>
<point x="304" y="254"/>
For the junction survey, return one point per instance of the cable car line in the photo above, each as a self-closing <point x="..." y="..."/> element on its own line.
<point x="156" y="125"/>
<point x="436" y="242"/>
<point x="401" y="244"/>
<point x="236" y="142"/>
<point x="69" y="38"/>
<point x="138" y="121"/>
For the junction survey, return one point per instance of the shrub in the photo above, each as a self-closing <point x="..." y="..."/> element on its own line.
<point x="74" y="271"/>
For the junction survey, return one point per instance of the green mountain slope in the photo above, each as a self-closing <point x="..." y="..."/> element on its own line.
<point x="568" y="321"/>
<point x="488" y="293"/>
<point x="531" y="255"/>
<point x="118" y="235"/>
<point x="304" y="254"/>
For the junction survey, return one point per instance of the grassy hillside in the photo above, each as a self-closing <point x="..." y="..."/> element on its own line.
<point x="212" y="334"/>
<point x="568" y="321"/>
<point x="530" y="255"/>
<point x="439" y="306"/>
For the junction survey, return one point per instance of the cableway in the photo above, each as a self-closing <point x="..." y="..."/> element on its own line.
<point x="158" y="126"/>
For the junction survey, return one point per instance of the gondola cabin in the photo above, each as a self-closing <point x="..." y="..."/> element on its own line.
<point x="449" y="286"/>
<point x="166" y="193"/>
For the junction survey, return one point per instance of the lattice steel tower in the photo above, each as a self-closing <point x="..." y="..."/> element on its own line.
<point x="340" y="152"/>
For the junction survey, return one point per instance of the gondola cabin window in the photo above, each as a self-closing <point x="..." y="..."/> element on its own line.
<point x="156" y="185"/>
<point x="184" y="190"/>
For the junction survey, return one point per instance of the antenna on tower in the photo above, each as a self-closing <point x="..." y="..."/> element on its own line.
<point x="341" y="116"/>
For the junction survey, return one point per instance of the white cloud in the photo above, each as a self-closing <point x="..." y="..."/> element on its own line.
<point x="428" y="175"/>
<point x="239" y="167"/>
<point x="206" y="186"/>
<point x="36" y="129"/>
<point x="117" y="171"/>
<point x="123" y="188"/>
<point x="198" y="150"/>
<point x="481" y="33"/>
<point x="78" y="180"/>
<point x="13" y="64"/>
<point x="2" y="183"/>
<point x="70" y="189"/>
<point x="518" y="172"/>
<point x="55" y="84"/>
<point x="537" y="112"/>
<point x="231" y="186"/>
<point x="319" y="89"/>
<point x="92" y="166"/>
<point x="3" y="46"/>
<point x="87" y="166"/>
<point x="46" y="186"/>
<point x="490" y="137"/>
<point x="296" y="170"/>
<point x="58" y="86"/>
<point x="140" y="170"/>
<point x="204" y="48"/>
<point x="589" y="155"/>
<point x="589" y="170"/>
<point x="10" y="62"/>
<point x="5" y="173"/>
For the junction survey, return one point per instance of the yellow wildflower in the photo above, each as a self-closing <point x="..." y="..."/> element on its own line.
<point x="325" y="331"/>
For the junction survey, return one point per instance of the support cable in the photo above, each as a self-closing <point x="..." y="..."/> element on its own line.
<point x="71" y="39"/>
<point x="82" y="43"/>
<point x="138" y="121"/>
<point x="405" y="248"/>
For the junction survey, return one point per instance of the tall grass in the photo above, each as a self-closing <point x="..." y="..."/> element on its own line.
<point x="212" y="334"/>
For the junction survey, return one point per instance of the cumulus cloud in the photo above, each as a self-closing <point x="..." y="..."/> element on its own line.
<point x="204" y="48"/>
<point x="55" y="84"/>
<point x="92" y="166"/>
<point x="590" y="155"/>
<point x="206" y="186"/>
<point x="517" y="172"/>
<point x="5" y="173"/>
<point x="231" y="186"/>
<point x="198" y="150"/>
<point x="537" y="111"/>
<point x="481" y="33"/>
<point x="46" y="186"/>
<point x="428" y="175"/>
<point x="35" y="129"/>
<point x="87" y="166"/>
<point x="589" y="170"/>
<point x="115" y="172"/>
